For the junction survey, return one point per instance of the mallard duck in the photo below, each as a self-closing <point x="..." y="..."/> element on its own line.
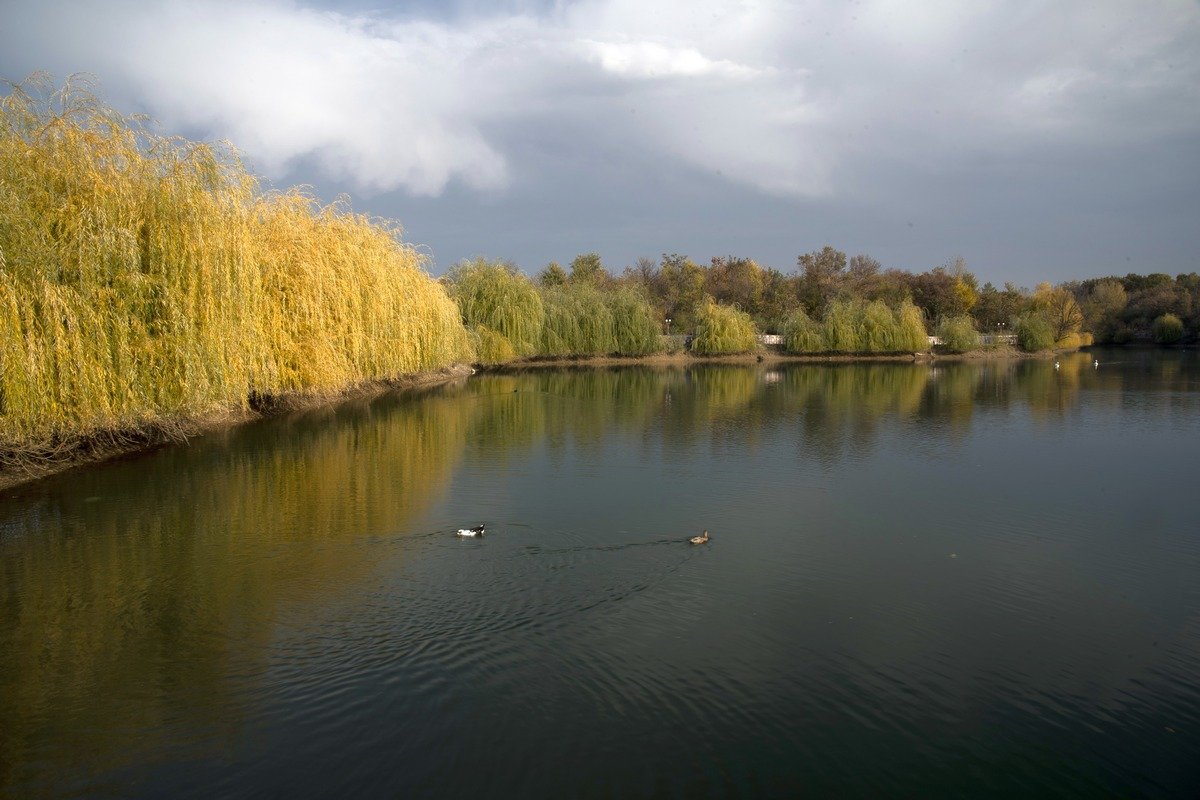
<point x="476" y="531"/>
<point x="699" y="539"/>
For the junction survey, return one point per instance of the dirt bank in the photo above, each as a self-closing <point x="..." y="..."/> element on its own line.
<point x="32" y="463"/>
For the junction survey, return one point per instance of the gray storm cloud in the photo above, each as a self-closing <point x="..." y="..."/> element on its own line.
<point x="774" y="95"/>
<point x="1039" y="133"/>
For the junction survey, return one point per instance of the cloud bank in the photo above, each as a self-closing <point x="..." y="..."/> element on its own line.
<point x="791" y="99"/>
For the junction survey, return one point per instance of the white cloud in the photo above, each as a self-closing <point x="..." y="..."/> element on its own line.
<point x="654" y="60"/>
<point x="775" y="95"/>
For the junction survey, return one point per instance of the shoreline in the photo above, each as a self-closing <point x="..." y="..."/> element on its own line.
<point x="17" y="468"/>
<point x="682" y="358"/>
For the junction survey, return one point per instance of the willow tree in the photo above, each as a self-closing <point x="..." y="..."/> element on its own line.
<point x="578" y="322"/>
<point x="635" y="325"/>
<point x="1060" y="310"/>
<point x="147" y="280"/>
<point x="802" y="334"/>
<point x="497" y="296"/>
<point x="723" y="329"/>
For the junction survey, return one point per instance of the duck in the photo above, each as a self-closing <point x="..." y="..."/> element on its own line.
<point x="1096" y="363"/>
<point x="476" y="531"/>
<point x="1056" y="365"/>
<point x="699" y="539"/>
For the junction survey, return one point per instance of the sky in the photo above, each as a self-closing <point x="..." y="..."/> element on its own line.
<point x="1037" y="140"/>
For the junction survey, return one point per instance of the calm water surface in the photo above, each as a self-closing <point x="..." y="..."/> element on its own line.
<point x="961" y="580"/>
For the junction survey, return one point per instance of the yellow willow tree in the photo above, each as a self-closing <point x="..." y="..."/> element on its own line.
<point x="1062" y="313"/>
<point x="147" y="279"/>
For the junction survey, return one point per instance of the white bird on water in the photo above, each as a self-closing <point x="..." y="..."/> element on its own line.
<point x="1056" y="365"/>
<point x="1096" y="363"/>
<point x="468" y="532"/>
<point x="699" y="539"/>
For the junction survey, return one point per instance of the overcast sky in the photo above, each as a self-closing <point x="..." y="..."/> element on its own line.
<point x="1038" y="140"/>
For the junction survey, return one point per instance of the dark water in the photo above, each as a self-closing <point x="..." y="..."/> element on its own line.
<point x="966" y="580"/>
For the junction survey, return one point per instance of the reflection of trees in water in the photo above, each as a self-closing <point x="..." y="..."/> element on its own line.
<point x="129" y="593"/>
<point x="509" y="414"/>
<point x="950" y="395"/>
<point x="841" y="406"/>
<point x="1047" y="391"/>
<point x="714" y="403"/>
<point x="136" y="607"/>
<point x="833" y="409"/>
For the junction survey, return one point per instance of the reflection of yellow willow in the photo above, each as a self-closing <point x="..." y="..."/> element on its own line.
<point x="847" y="402"/>
<point x="586" y="405"/>
<point x="597" y="401"/>
<point x="1051" y="391"/>
<point x="720" y="390"/>
<point x="870" y="390"/>
<point x="951" y="392"/>
<point x="519" y="410"/>
<point x="137" y="605"/>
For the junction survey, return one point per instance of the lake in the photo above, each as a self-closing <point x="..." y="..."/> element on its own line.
<point x="961" y="579"/>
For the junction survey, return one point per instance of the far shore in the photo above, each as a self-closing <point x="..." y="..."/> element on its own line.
<point x="766" y="356"/>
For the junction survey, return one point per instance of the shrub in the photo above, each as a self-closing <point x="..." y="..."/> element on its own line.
<point x="1034" y="333"/>
<point x="1168" y="329"/>
<point x="958" y="334"/>
<point x="723" y="329"/>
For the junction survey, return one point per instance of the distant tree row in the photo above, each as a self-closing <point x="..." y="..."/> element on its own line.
<point x="1140" y="307"/>
<point x="508" y="317"/>
<point x="829" y="303"/>
<point x="948" y="297"/>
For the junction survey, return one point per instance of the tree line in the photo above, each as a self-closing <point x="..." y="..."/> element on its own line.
<point x="1140" y="307"/>
<point x="832" y="303"/>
